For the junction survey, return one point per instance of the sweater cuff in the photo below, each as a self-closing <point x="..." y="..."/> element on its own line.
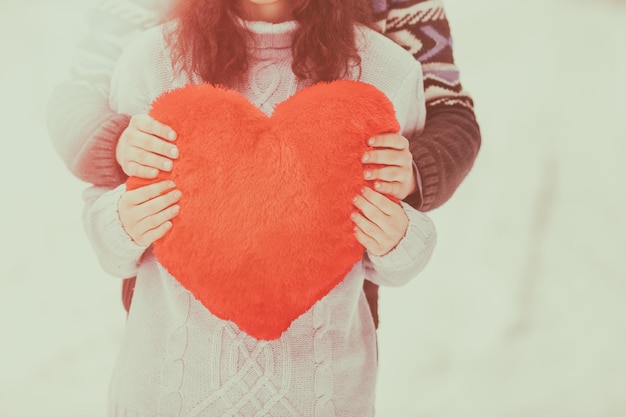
<point x="429" y="175"/>
<point x="416" y="197"/>
<point x="96" y="161"/>
<point x="118" y="253"/>
<point x="412" y="252"/>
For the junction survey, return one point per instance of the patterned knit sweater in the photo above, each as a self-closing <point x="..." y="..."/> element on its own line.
<point x="176" y="358"/>
<point x="85" y="130"/>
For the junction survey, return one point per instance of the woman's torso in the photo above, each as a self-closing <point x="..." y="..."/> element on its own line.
<point x="177" y="359"/>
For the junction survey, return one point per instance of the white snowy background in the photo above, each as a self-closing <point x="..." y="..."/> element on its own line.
<point x="521" y="312"/>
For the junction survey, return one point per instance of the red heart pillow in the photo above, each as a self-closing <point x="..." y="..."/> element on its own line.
<point x="264" y="229"/>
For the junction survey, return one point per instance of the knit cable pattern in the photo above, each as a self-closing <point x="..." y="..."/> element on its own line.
<point x="247" y="375"/>
<point x="320" y="366"/>
<point x="322" y="348"/>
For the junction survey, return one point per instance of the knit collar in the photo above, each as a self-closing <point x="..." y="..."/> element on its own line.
<point x="270" y="38"/>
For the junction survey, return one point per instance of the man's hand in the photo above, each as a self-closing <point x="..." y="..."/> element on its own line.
<point x="380" y="223"/>
<point x="146" y="212"/>
<point x="396" y="178"/>
<point x="145" y="147"/>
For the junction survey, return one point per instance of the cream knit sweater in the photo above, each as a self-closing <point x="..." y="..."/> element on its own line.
<point x="176" y="358"/>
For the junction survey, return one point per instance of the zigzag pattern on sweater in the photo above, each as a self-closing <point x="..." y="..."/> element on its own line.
<point x="422" y="28"/>
<point x="413" y="15"/>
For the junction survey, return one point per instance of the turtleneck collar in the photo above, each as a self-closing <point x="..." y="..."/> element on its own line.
<point x="270" y="38"/>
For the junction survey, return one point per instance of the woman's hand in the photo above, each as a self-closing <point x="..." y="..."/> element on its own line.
<point x="380" y="223"/>
<point x="145" y="147"/>
<point x="397" y="178"/>
<point x="146" y="212"/>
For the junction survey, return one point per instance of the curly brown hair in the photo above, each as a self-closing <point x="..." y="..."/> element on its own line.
<point x="209" y="40"/>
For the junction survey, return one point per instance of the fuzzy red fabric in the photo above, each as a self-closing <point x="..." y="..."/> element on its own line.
<point x="264" y="229"/>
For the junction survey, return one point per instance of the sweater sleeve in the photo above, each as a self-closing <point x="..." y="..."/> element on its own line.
<point x="409" y="257"/>
<point x="132" y="88"/>
<point x="117" y="253"/>
<point x="446" y="149"/>
<point x="83" y="128"/>
<point x="142" y="73"/>
<point x="408" y="102"/>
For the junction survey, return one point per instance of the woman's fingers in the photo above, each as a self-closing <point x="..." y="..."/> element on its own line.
<point x="159" y="203"/>
<point x="367" y="226"/>
<point x="153" y="235"/>
<point x="146" y="212"/>
<point x="142" y="194"/>
<point x="379" y="201"/>
<point x="364" y="239"/>
<point x="156" y="220"/>
<point x="380" y="223"/>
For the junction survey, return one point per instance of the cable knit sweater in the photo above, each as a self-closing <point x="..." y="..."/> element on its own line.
<point x="84" y="129"/>
<point x="176" y="358"/>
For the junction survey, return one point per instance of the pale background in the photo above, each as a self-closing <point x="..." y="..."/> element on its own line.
<point x="521" y="312"/>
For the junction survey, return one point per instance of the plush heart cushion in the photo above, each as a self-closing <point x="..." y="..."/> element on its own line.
<point x="264" y="229"/>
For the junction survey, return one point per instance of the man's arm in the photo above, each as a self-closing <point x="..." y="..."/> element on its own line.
<point x="83" y="128"/>
<point x="445" y="151"/>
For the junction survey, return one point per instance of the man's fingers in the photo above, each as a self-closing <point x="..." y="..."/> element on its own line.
<point x="150" y="159"/>
<point x="155" y="145"/>
<point x="148" y="192"/>
<point x="386" y="173"/>
<point x="389" y="140"/>
<point x="146" y="142"/>
<point x="394" y="188"/>
<point x="390" y="165"/>
<point x="392" y="180"/>
<point x="148" y="125"/>
<point x="387" y="157"/>
<point x="133" y="169"/>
